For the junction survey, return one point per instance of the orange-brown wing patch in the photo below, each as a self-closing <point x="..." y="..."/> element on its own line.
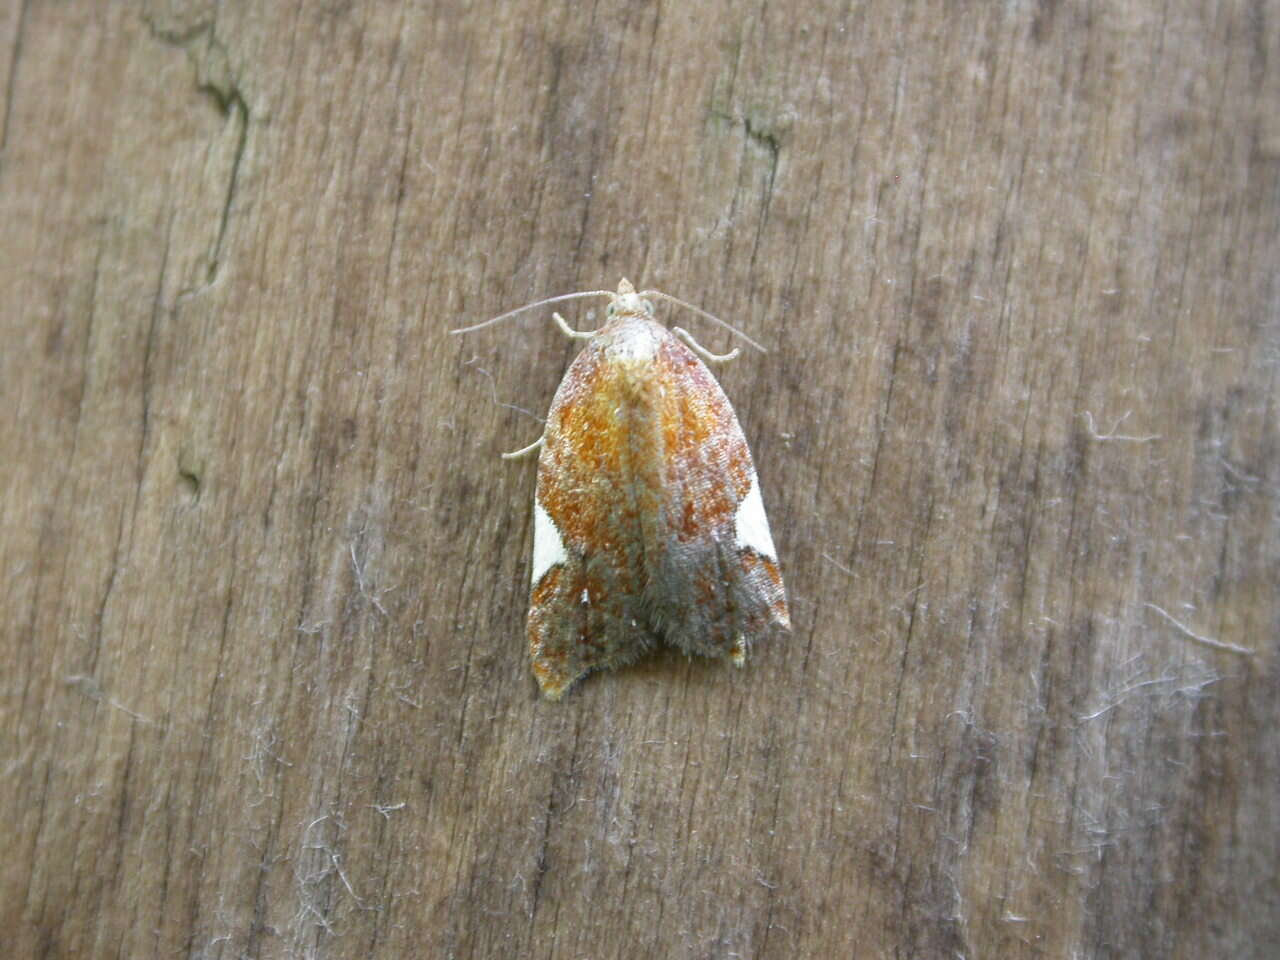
<point x="585" y="450"/>
<point x="707" y="464"/>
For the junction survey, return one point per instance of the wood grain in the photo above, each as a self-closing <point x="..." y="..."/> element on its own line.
<point x="264" y="690"/>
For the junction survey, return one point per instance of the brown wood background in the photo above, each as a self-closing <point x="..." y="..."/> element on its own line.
<point x="264" y="685"/>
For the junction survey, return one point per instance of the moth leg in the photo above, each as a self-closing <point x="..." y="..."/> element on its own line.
<point x="706" y="355"/>
<point x="569" y="332"/>
<point x="525" y="451"/>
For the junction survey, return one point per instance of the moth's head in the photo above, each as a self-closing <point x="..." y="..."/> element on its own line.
<point x="627" y="301"/>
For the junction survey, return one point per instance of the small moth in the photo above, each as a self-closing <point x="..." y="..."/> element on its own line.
<point x="649" y="526"/>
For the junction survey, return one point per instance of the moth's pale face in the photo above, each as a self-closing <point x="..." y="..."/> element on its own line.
<point x="630" y="302"/>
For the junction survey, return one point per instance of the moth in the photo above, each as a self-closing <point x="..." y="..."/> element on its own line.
<point x="649" y="526"/>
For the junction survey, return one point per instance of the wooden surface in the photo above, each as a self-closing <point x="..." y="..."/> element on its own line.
<point x="264" y="686"/>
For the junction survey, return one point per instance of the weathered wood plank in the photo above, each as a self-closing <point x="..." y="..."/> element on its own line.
<point x="264" y="577"/>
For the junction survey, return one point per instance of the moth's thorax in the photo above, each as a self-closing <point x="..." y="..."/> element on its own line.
<point x="630" y="341"/>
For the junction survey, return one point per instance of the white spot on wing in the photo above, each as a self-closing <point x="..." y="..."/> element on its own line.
<point x="753" y="526"/>
<point x="548" y="548"/>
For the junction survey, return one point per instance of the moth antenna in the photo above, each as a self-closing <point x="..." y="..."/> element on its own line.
<point x="529" y="306"/>
<point x="702" y="313"/>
